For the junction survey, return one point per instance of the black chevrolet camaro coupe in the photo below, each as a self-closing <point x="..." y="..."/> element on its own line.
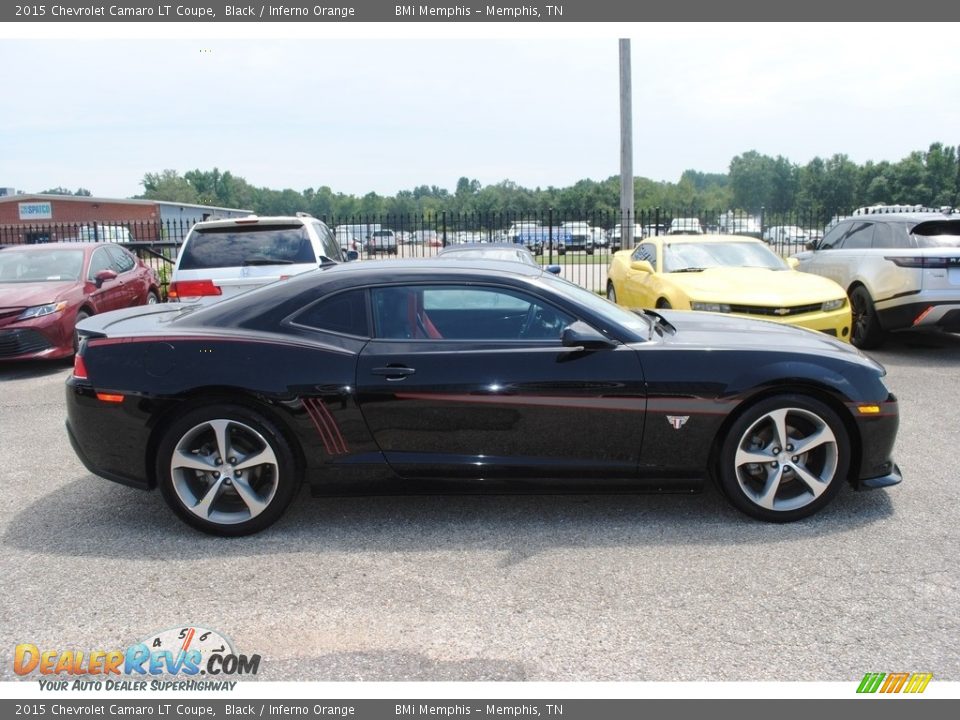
<point x="401" y="375"/>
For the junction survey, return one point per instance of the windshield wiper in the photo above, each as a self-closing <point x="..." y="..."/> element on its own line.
<point x="689" y="269"/>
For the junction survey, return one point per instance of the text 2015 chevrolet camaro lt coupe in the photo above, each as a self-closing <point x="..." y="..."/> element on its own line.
<point x="398" y="374"/>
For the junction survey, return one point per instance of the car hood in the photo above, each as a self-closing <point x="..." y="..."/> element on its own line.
<point x="756" y="286"/>
<point x="30" y="294"/>
<point x="719" y="331"/>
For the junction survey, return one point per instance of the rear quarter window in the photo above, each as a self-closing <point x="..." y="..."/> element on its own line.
<point x="252" y="245"/>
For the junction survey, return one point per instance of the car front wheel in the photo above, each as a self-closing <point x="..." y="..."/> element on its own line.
<point x="784" y="458"/>
<point x="226" y="470"/>
<point x="611" y="292"/>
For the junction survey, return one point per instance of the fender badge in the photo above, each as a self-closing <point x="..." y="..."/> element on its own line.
<point x="677" y="420"/>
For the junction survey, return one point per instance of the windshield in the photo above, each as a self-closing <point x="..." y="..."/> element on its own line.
<point x="639" y="325"/>
<point x="683" y="256"/>
<point x="23" y="266"/>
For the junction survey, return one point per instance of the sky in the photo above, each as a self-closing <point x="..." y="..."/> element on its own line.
<point x="539" y="107"/>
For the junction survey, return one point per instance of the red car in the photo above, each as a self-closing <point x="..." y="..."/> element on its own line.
<point x="45" y="290"/>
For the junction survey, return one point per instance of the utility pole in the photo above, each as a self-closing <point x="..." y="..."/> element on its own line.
<point x="626" y="148"/>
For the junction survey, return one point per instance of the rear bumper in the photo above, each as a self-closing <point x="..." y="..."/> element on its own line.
<point x="932" y="313"/>
<point x="110" y="439"/>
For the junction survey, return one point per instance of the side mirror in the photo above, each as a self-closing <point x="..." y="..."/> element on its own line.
<point x="580" y="335"/>
<point x="101" y="277"/>
<point x="642" y="266"/>
<point x="352" y="255"/>
<point x="812" y="245"/>
<point x="793" y="263"/>
<point x="555" y="269"/>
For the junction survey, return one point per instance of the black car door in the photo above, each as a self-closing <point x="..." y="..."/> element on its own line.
<point x="467" y="381"/>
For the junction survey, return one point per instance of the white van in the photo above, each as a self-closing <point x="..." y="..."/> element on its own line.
<point x="220" y="258"/>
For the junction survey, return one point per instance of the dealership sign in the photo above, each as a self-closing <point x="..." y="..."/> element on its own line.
<point x="36" y="211"/>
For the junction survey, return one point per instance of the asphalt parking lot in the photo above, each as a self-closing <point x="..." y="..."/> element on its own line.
<point x="500" y="588"/>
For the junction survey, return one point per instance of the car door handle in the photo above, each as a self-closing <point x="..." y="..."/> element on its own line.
<point x="393" y="372"/>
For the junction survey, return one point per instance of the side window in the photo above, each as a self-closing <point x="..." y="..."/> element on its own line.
<point x="831" y="239"/>
<point x="122" y="260"/>
<point x="646" y="251"/>
<point x="860" y="237"/>
<point x="884" y="237"/>
<point x="344" y="313"/>
<point x="100" y="261"/>
<point x="331" y="248"/>
<point x="452" y="312"/>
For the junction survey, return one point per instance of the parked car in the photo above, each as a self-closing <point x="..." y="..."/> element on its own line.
<point x="494" y="251"/>
<point x="726" y="274"/>
<point x="615" y="236"/>
<point x="429" y="238"/>
<point x="382" y="241"/>
<point x="220" y="258"/>
<point x="785" y="235"/>
<point x="347" y="382"/>
<point x="685" y="226"/>
<point x="576" y="235"/>
<point x="45" y="290"/>
<point x="901" y="271"/>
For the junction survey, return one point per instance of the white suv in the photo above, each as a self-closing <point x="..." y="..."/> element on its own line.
<point x="900" y="269"/>
<point x="220" y="258"/>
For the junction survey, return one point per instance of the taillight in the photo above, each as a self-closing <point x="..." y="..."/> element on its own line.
<point x="924" y="262"/>
<point x="79" y="368"/>
<point x="192" y="288"/>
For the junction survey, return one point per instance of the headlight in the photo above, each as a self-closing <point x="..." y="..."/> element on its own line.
<point x="41" y="310"/>
<point x="831" y="305"/>
<point x="710" y="307"/>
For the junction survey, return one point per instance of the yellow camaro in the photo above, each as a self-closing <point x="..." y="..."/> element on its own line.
<point x="728" y="274"/>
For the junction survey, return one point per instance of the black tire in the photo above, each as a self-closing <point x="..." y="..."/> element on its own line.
<point x="771" y="488"/>
<point x="589" y="251"/>
<point x="81" y="315"/>
<point x="152" y="297"/>
<point x="664" y="304"/>
<point x="611" y="292"/>
<point x="866" y="332"/>
<point x="271" y="483"/>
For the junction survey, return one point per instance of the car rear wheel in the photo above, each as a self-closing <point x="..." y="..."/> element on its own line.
<point x="611" y="292"/>
<point x="784" y="458"/>
<point x="867" y="332"/>
<point x="226" y="470"/>
<point x="152" y="298"/>
<point x="664" y="304"/>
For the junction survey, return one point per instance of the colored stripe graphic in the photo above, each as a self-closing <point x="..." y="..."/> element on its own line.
<point x="918" y="683"/>
<point x="894" y="682"/>
<point x="326" y="426"/>
<point x="913" y="683"/>
<point x="870" y="682"/>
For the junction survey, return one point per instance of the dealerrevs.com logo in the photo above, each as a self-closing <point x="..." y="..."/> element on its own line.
<point x="185" y="652"/>
<point x="890" y="683"/>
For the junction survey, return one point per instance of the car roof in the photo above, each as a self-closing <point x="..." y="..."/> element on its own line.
<point x="482" y="246"/>
<point x="914" y="218"/>
<point x="394" y="269"/>
<point x="61" y="246"/>
<point x="256" y="220"/>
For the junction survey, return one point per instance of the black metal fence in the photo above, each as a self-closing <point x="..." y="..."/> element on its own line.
<point x="581" y="243"/>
